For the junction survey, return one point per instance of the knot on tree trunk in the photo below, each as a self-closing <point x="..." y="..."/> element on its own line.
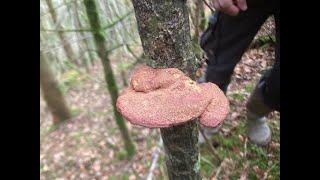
<point x="158" y="98"/>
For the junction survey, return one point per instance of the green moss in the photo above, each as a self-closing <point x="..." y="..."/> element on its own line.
<point x="238" y="96"/>
<point x="256" y="156"/>
<point x="121" y="155"/>
<point x="206" y="165"/>
<point x="69" y="79"/>
<point x="75" y="112"/>
<point x="249" y="87"/>
<point x="125" y="177"/>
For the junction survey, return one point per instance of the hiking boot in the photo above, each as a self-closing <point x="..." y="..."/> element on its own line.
<point x="258" y="130"/>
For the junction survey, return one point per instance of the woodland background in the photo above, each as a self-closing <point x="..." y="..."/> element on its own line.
<point x="87" y="143"/>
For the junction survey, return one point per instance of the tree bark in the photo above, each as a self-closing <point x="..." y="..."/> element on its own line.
<point x="52" y="94"/>
<point x="109" y="76"/>
<point x="165" y="35"/>
<point x="66" y="46"/>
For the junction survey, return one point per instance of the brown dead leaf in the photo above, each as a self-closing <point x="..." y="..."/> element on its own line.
<point x="260" y="173"/>
<point x="199" y="73"/>
<point x="236" y="150"/>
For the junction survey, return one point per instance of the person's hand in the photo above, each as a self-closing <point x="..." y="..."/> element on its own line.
<point x="230" y="7"/>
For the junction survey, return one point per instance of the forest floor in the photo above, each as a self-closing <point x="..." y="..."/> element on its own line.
<point x="89" y="146"/>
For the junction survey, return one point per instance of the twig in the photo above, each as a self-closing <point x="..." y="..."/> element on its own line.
<point x="117" y="21"/>
<point x="59" y="6"/>
<point x="213" y="151"/>
<point x="245" y="147"/>
<point x="214" y="177"/>
<point x="244" y="174"/>
<point x="91" y="30"/>
<point x="66" y="30"/>
<point x="206" y="161"/>
<point x="48" y="49"/>
<point x="205" y="2"/>
<point x="155" y="158"/>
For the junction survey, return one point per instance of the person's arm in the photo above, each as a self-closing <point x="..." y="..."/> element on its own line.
<point x="230" y="7"/>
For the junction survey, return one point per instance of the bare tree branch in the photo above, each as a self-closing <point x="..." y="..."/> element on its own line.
<point x="211" y="9"/>
<point x="155" y="158"/>
<point x="90" y="30"/>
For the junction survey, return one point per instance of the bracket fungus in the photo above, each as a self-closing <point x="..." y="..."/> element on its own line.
<point x="159" y="98"/>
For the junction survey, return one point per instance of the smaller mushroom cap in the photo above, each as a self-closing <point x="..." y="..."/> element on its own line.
<point x="218" y="108"/>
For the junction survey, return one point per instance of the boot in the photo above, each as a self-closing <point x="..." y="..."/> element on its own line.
<point x="258" y="130"/>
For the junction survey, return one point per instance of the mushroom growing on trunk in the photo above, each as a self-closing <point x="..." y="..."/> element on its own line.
<point x="160" y="98"/>
<point x="166" y="98"/>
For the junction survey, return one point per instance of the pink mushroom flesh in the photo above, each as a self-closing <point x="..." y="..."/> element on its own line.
<point x="158" y="98"/>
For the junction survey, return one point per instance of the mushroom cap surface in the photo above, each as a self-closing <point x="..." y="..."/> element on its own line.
<point x="218" y="108"/>
<point x="158" y="98"/>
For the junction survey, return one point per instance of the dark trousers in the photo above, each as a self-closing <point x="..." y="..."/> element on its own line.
<point x="226" y="40"/>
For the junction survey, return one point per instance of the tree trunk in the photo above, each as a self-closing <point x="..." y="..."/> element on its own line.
<point x="43" y="35"/>
<point x="78" y="58"/>
<point x="165" y="36"/>
<point x="109" y="76"/>
<point x="66" y="46"/>
<point x="52" y="93"/>
<point x="79" y="25"/>
<point x="124" y="78"/>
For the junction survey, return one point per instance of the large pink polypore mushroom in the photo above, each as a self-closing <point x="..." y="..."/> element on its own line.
<point x="158" y="98"/>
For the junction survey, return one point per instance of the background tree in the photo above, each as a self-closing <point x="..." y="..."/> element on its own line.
<point x="52" y="94"/>
<point x="81" y="34"/>
<point x="66" y="46"/>
<point x="94" y="21"/>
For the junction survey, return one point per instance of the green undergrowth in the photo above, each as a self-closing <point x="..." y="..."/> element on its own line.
<point x="239" y="152"/>
<point x="70" y="79"/>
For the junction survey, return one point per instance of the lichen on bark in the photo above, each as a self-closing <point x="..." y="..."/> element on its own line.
<point x="182" y="151"/>
<point x="165" y="34"/>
